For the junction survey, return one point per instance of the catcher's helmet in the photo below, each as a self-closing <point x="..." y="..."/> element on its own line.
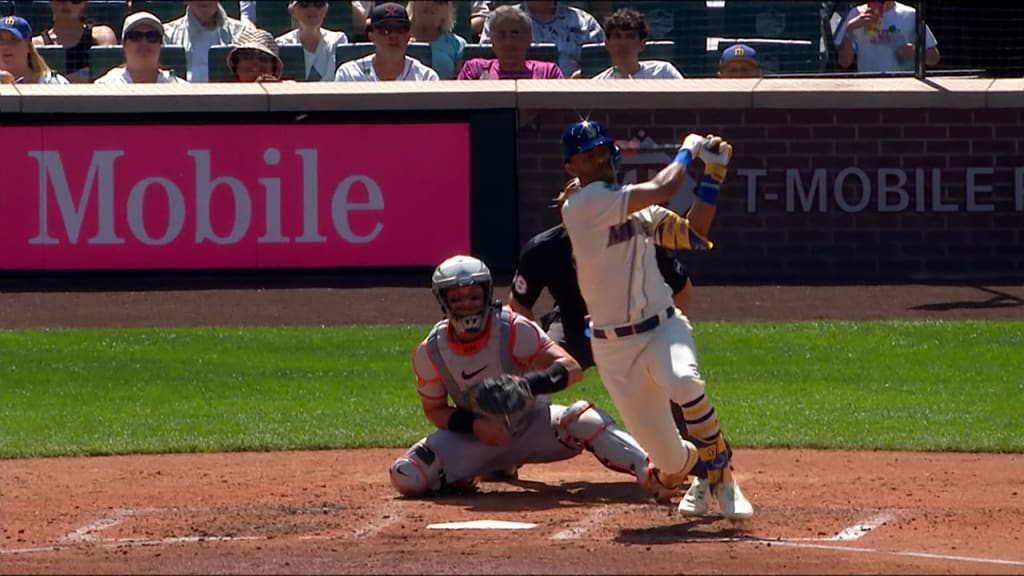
<point x="463" y="271"/>
<point x="586" y="135"/>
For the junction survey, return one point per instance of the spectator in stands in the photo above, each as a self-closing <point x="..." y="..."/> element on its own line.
<point x="739" y="61"/>
<point x="247" y="12"/>
<point x="20" y="63"/>
<point x="626" y="34"/>
<point x="390" y="31"/>
<point x="204" y="24"/>
<point x="70" y="31"/>
<point x="318" y="43"/>
<point x="142" y="36"/>
<point x="361" y="9"/>
<point x="432" y="23"/>
<point x="880" y="37"/>
<point x="567" y="27"/>
<point x="510" y="29"/>
<point x="254" y="58"/>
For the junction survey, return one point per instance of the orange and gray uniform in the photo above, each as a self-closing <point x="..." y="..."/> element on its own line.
<point x="445" y="367"/>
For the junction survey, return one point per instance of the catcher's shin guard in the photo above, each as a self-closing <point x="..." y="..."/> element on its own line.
<point x="418" y="472"/>
<point x="702" y="426"/>
<point x="584" y="425"/>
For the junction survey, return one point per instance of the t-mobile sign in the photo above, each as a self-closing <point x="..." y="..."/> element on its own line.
<point x="170" y="197"/>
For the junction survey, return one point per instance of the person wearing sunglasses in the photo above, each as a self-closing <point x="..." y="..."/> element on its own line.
<point x="390" y="31"/>
<point x="318" y="43"/>
<point x="205" y="24"/>
<point x="75" y="35"/>
<point x="142" y="36"/>
<point x="255" y="58"/>
<point x="20" y="62"/>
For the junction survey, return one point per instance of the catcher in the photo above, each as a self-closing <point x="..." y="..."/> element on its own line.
<point x="499" y="369"/>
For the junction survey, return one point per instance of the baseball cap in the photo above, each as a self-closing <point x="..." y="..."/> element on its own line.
<point x="388" y="11"/>
<point x="139" y="18"/>
<point x="16" y="25"/>
<point x="738" y="52"/>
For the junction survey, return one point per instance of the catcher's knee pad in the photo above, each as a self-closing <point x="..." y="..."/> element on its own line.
<point x="418" y="472"/>
<point x="584" y="425"/>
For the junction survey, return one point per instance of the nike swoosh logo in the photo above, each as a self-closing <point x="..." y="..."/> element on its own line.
<point x="468" y="375"/>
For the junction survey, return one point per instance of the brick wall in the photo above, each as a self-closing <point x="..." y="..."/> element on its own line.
<point x="829" y="195"/>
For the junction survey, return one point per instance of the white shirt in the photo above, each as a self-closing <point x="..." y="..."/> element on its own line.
<point x="878" y="54"/>
<point x="120" y="75"/>
<point x="361" y="70"/>
<point x="199" y="55"/>
<point x="52" y="78"/>
<point x="320" y="65"/>
<point x="615" y="255"/>
<point x="649" y="69"/>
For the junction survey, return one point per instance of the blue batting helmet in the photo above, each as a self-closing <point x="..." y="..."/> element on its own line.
<point x="583" y="136"/>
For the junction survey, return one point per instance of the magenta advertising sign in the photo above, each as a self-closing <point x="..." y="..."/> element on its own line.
<point x="256" y="196"/>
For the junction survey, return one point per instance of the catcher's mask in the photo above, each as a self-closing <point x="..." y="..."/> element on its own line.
<point x="463" y="271"/>
<point x="588" y="134"/>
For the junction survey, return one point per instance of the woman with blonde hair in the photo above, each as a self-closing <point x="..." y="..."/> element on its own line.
<point x="432" y="23"/>
<point x="20" y="63"/>
<point x="71" y="31"/>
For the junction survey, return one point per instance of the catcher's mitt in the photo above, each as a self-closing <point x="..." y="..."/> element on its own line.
<point x="506" y="397"/>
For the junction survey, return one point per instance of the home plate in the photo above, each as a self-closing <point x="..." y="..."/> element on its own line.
<point x="482" y="525"/>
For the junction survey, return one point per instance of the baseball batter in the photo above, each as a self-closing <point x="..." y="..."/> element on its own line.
<point x="642" y="344"/>
<point x="479" y="340"/>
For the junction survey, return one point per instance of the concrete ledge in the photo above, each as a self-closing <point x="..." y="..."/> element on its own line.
<point x="1006" y="93"/>
<point x="849" y="93"/>
<point x="10" y="99"/>
<point x="142" y="98"/>
<point x="633" y="94"/>
<point x="446" y="95"/>
<point x="960" y="92"/>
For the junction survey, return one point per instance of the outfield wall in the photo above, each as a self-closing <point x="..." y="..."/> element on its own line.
<point x="838" y="179"/>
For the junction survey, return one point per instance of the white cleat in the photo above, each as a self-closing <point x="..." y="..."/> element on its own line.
<point x="697" y="500"/>
<point x="733" y="504"/>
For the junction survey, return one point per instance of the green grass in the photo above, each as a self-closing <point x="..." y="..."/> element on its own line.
<point x="887" y="385"/>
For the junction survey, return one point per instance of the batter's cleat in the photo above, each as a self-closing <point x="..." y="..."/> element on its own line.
<point x="697" y="500"/>
<point x="731" y="501"/>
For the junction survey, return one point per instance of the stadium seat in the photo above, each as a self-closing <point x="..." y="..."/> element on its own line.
<point x="787" y="19"/>
<point x="273" y="16"/>
<point x="345" y="52"/>
<point x="54" y="56"/>
<point x="595" y="57"/>
<point x="173" y="58"/>
<point x="165" y="10"/>
<point x="219" y="71"/>
<point x="6" y="7"/>
<point x="477" y="51"/>
<point x="294" y="59"/>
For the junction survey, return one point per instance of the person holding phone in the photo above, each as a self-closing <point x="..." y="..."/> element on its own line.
<point x="880" y="37"/>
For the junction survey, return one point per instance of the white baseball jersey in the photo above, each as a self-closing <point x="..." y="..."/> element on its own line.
<point x="509" y="346"/>
<point x="615" y="255"/>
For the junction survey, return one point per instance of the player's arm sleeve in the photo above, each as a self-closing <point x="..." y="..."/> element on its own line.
<point x="673" y="231"/>
<point x="592" y="206"/>
<point x="429" y="385"/>
<point x="527" y="341"/>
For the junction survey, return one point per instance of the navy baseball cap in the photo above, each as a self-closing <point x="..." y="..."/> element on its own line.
<point x="738" y="52"/>
<point x="388" y="11"/>
<point x="16" y="25"/>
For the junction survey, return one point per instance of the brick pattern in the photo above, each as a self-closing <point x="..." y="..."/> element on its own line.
<point x="784" y="229"/>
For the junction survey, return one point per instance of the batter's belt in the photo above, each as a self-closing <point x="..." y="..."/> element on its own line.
<point x="639" y="328"/>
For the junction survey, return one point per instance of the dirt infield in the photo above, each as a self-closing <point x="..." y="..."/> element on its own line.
<point x="834" y="512"/>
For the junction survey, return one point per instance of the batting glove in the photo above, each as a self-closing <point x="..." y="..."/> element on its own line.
<point x="693" y="144"/>
<point x="716" y="154"/>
